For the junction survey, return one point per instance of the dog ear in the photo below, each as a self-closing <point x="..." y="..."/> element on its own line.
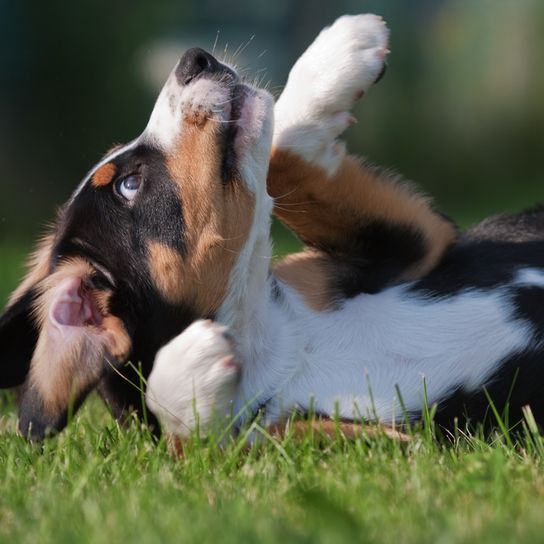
<point x="18" y="337"/>
<point x="18" y="330"/>
<point x="78" y="338"/>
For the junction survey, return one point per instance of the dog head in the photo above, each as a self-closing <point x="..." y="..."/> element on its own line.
<point x="148" y="242"/>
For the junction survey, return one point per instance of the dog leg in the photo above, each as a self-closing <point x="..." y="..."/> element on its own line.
<point x="330" y="429"/>
<point x="360" y="215"/>
<point x="194" y="380"/>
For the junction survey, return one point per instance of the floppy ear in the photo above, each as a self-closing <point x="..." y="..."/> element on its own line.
<point x="78" y="336"/>
<point x="18" y="336"/>
<point x="18" y="330"/>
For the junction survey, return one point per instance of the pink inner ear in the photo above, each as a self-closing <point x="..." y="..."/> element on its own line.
<point x="73" y="305"/>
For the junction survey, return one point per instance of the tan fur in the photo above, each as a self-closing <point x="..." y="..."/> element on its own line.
<point x="61" y="372"/>
<point x="166" y="268"/>
<point x="104" y="175"/>
<point x="327" y="210"/>
<point x="318" y="429"/>
<point x="309" y="273"/>
<point x="217" y="220"/>
<point x="118" y="340"/>
<point x="175" y="446"/>
<point x="38" y="268"/>
<point x="327" y="428"/>
<point x="70" y="268"/>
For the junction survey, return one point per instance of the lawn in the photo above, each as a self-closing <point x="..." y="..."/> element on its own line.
<point x="99" y="483"/>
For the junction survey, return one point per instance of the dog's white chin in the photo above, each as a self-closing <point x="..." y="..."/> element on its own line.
<point x="255" y="128"/>
<point x="255" y="116"/>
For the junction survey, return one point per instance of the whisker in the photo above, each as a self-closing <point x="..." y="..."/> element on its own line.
<point x="139" y="389"/>
<point x="241" y="49"/>
<point x="233" y="238"/>
<point x="228" y="101"/>
<point x="290" y="211"/>
<point x="215" y="42"/>
<point x="288" y="193"/>
<point x="221" y="121"/>
<point x="296" y="147"/>
<point x="295" y="203"/>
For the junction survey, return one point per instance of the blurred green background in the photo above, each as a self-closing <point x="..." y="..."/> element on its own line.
<point x="461" y="109"/>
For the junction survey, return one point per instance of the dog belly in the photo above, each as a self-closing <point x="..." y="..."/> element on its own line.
<point x="357" y="359"/>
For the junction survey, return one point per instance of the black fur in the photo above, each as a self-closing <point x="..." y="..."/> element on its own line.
<point x="475" y="264"/>
<point x="18" y="336"/>
<point x="484" y="261"/>
<point x="113" y="235"/>
<point x="488" y="255"/>
<point x="374" y="258"/>
<point x="516" y="383"/>
<point x="521" y="227"/>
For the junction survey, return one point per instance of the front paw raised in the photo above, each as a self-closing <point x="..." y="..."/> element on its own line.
<point x="194" y="380"/>
<point x="331" y="75"/>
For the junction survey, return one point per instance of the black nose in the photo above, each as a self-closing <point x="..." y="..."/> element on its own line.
<point x="195" y="62"/>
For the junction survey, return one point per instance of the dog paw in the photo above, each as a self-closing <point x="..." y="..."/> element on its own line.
<point x="194" y="380"/>
<point x="331" y="75"/>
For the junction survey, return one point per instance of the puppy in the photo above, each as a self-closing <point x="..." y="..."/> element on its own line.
<point x="346" y="327"/>
<point x="172" y="229"/>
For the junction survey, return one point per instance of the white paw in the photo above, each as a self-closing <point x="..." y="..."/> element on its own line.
<point x="324" y="84"/>
<point x="194" y="380"/>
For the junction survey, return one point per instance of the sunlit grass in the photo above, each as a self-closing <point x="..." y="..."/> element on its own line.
<point x="97" y="482"/>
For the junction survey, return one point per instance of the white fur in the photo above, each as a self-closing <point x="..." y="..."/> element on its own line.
<point x="209" y="100"/>
<point x="323" y="85"/>
<point x="352" y="358"/>
<point x="193" y="380"/>
<point x="204" y="98"/>
<point x="179" y="386"/>
<point x="264" y="337"/>
<point x="529" y="276"/>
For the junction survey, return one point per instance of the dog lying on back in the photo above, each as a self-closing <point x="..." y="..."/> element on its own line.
<point x="162" y="256"/>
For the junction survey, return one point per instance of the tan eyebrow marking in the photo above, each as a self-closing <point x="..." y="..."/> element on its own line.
<point x="104" y="175"/>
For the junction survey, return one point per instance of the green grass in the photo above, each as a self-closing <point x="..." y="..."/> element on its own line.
<point x="99" y="483"/>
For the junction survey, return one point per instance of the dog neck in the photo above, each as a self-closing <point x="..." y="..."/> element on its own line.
<point x="256" y="321"/>
<point x="249" y="286"/>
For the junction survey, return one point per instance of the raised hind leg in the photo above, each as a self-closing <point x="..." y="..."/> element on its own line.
<point x="366" y="228"/>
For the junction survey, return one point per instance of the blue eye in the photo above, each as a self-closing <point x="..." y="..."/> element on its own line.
<point x="128" y="187"/>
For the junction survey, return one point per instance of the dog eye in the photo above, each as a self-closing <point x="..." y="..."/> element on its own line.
<point x="128" y="187"/>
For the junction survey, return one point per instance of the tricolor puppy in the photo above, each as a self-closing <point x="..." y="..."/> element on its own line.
<point x="165" y="246"/>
